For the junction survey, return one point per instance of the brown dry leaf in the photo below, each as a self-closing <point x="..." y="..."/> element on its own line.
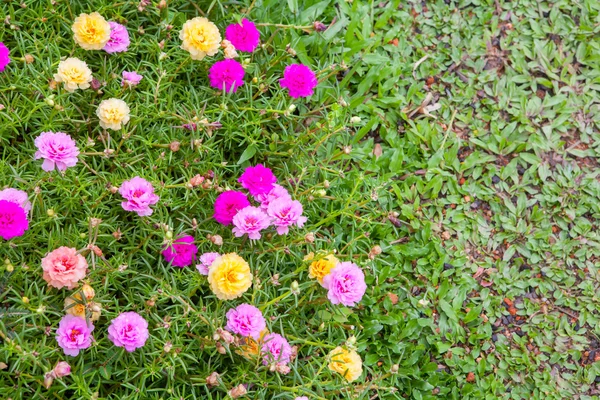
<point x="393" y="298"/>
<point x="377" y="151"/>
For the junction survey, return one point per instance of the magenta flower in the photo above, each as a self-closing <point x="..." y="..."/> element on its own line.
<point x="57" y="149"/>
<point x="128" y="330"/>
<point x="130" y="79"/>
<point x="244" y="36"/>
<point x="16" y="196"/>
<point x="299" y="79"/>
<point x="182" y="252"/>
<point x="228" y="74"/>
<point x="275" y="349"/>
<point x="228" y="204"/>
<point x="278" y="192"/>
<point x="139" y="194"/>
<point x="345" y="284"/>
<point x="246" y="320"/>
<point x="74" y="334"/>
<point x="4" y="59"/>
<point x="13" y="220"/>
<point x="286" y="212"/>
<point x="250" y="220"/>
<point x="258" y="180"/>
<point x="119" y="39"/>
<point x="206" y="261"/>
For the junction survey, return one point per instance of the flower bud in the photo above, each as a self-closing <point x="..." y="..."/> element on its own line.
<point x="292" y="108"/>
<point x="88" y="291"/>
<point x="309" y="237"/>
<point x="238" y="391"/>
<point x="50" y="212"/>
<point x="48" y="379"/>
<point x="395" y="369"/>
<point x="29" y="58"/>
<point x="295" y="287"/>
<point x="221" y="349"/>
<point x="167" y="347"/>
<point x="319" y="26"/>
<point x="61" y="369"/>
<point x="217" y="240"/>
<point x="351" y="341"/>
<point x="213" y="379"/>
<point x="174" y="146"/>
<point x="162" y="4"/>
<point x="10" y="268"/>
<point x="355" y="120"/>
<point x="25" y="299"/>
<point x="169" y="234"/>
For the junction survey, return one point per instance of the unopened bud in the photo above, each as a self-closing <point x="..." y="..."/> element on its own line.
<point x="213" y="379"/>
<point x="167" y="347"/>
<point x="169" y="234"/>
<point x="395" y="369"/>
<point x="61" y="369"/>
<point x="309" y="237"/>
<point x="29" y="58"/>
<point x="220" y="348"/>
<point x="50" y="212"/>
<point x="351" y="341"/>
<point x="162" y="4"/>
<point x="292" y="108"/>
<point x="10" y="268"/>
<point x="88" y="291"/>
<point x="319" y="26"/>
<point x="347" y="149"/>
<point x="95" y="84"/>
<point x="238" y="391"/>
<point x="174" y="146"/>
<point x="355" y="120"/>
<point x="217" y="240"/>
<point x="295" y="287"/>
<point x="48" y="379"/>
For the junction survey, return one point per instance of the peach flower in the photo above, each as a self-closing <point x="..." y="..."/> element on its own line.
<point x="63" y="267"/>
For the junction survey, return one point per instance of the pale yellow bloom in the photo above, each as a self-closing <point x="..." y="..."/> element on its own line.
<point x="229" y="276"/>
<point x="74" y="306"/>
<point x="74" y="73"/>
<point x="113" y="113"/>
<point x="320" y="268"/>
<point x="200" y="37"/>
<point x="345" y="362"/>
<point x="91" y="31"/>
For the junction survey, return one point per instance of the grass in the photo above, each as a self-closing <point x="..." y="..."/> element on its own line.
<point x="474" y="167"/>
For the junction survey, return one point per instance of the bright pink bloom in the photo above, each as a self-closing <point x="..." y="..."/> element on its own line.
<point x="226" y="73"/>
<point x="119" y="39"/>
<point x="345" y="284"/>
<point x="206" y="261"/>
<point x="278" y="192"/>
<point x="61" y="369"/>
<point x="131" y="79"/>
<point x="4" y="59"/>
<point x="128" y="330"/>
<point x="182" y="252"/>
<point x="299" y="79"/>
<point x="250" y="220"/>
<point x="74" y="334"/>
<point x="16" y="196"/>
<point x="275" y="349"/>
<point x="244" y="36"/>
<point x="246" y="320"/>
<point x="139" y="194"/>
<point x="13" y="220"/>
<point x="258" y="180"/>
<point x="57" y="149"/>
<point x="228" y="204"/>
<point x="64" y="267"/>
<point x="286" y="212"/>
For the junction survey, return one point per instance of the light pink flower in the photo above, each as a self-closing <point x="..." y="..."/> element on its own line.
<point x="61" y="369"/>
<point x="275" y="349"/>
<point x="250" y="220"/>
<point x="74" y="334"/>
<point x="16" y="196"/>
<point x="13" y="220"/>
<point x="139" y="196"/>
<point x="246" y="320"/>
<point x="64" y="267"/>
<point x="206" y="261"/>
<point x="278" y="192"/>
<point x="131" y="79"/>
<point x="119" y="39"/>
<point x="182" y="252"/>
<point x="345" y="284"/>
<point x="228" y="204"/>
<point x="128" y="330"/>
<point x="57" y="149"/>
<point x="284" y="213"/>
<point x="299" y="79"/>
<point x="258" y="180"/>
<point x="244" y="36"/>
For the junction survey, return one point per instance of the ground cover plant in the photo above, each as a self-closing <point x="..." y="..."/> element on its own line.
<point x="343" y="200"/>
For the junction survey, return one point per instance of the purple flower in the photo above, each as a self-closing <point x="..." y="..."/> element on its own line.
<point x="13" y="220"/>
<point x="299" y="79"/>
<point x="246" y="320"/>
<point x="139" y="196"/>
<point x="4" y="59"/>
<point x="278" y="192"/>
<point x="275" y="349"/>
<point x="228" y="74"/>
<point x="250" y="220"/>
<point x="244" y="36"/>
<point x="74" y="334"/>
<point x="119" y="39"/>
<point x="128" y="330"/>
<point x="57" y="149"/>
<point x="258" y="180"/>
<point x="182" y="252"/>
<point x="206" y="261"/>
<point x="228" y="204"/>
<point x="286" y="212"/>
<point x="16" y="196"/>
<point x="345" y="284"/>
<point x="130" y="79"/>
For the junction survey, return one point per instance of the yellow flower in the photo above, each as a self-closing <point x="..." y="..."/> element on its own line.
<point x="91" y="31"/>
<point x="74" y="306"/>
<point x="250" y="348"/>
<point x="88" y="291"/>
<point x="229" y="276"/>
<point x="320" y="268"/>
<point x="74" y="73"/>
<point x="345" y="362"/>
<point x="113" y="113"/>
<point x="200" y="37"/>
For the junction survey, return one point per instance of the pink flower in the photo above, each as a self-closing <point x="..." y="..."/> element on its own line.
<point x="278" y="192"/>
<point x="258" y="180"/>
<point x="57" y="149"/>
<point x="275" y="349"/>
<point x="4" y="59"/>
<point x="61" y="369"/>
<point x="244" y="36"/>
<point x="139" y="194"/>
<point x="74" y="334"/>
<point x="64" y="267"/>
<point x="128" y="330"/>
<point x="299" y="79"/>
<point x="130" y="79"/>
<point x="345" y="284"/>
<point x="119" y="39"/>
<point x="182" y="252"/>
<point x="286" y="212"/>
<point x="13" y="220"/>
<point x="250" y="220"/>
<point x="16" y="196"/>
<point x="301" y="398"/>
<point x="246" y="320"/>
<point x="228" y="204"/>
<point x="226" y="73"/>
<point x="206" y="261"/>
